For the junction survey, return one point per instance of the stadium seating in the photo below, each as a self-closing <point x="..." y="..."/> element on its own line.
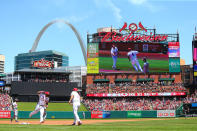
<point x="125" y="104"/>
<point x="133" y="88"/>
<point x="5" y="102"/>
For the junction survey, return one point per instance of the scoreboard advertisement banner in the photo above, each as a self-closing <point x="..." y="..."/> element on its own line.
<point x="174" y="64"/>
<point x="92" y="58"/>
<point x="194" y="43"/>
<point x="136" y="94"/>
<point x="92" y="50"/>
<point x="173" y="49"/>
<point x="93" y="65"/>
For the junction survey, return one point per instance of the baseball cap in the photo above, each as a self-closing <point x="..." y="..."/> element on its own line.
<point x="75" y="89"/>
<point x="47" y="93"/>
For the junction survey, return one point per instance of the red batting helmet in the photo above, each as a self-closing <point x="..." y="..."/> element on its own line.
<point x="47" y="93"/>
<point x="75" y="89"/>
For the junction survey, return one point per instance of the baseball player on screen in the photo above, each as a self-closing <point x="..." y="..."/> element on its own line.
<point x="114" y="53"/>
<point x="75" y="100"/>
<point x="132" y="56"/>
<point x="40" y="106"/>
<point x="146" y="66"/>
<point x="46" y="104"/>
<point x="15" y="109"/>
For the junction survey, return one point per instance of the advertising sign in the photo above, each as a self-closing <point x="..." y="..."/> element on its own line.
<point x="136" y="94"/>
<point x="92" y="51"/>
<point x="166" y="113"/>
<point x="2" y="83"/>
<point x="194" y="104"/>
<point x="174" y="64"/>
<point x="5" y="114"/>
<point x="96" y="114"/>
<point x="195" y="56"/>
<point x="93" y="65"/>
<point x="133" y="27"/>
<point x="92" y="58"/>
<point x="174" y="51"/>
<point x="134" y="114"/>
<point x="43" y="64"/>
<point x="106" y="114"/>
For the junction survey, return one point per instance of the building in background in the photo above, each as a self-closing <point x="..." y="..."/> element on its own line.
<point x="9" y="77"/>
<point x="187" y="74"/>
<point x="41" y="59"/>
<point x="77" y="72"/>
<point x="182" y="62"/>
<point x="2" y="63"/>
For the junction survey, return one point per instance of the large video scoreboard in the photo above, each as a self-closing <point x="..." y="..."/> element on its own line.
<point x="115" y="55"/>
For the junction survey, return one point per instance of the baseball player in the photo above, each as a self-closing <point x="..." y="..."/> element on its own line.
<point x="40" y="106"/>
<point x="75" y="100"/>
<point x="132" y="56"/>
<point x="114" y="53"/>
<point x="146" y="65"/>
<point x="15" y="109"/>
<point x="46" y="104"/>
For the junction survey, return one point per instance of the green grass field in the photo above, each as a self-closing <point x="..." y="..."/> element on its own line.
<point x="168" y="124"/>
<point x="30" y="106"/>
<point x="124" y="65"/>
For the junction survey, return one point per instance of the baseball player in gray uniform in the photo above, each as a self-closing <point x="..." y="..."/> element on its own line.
<point x="146" y="65"/>
<point x="114" y="54"/>
<point x="75" y="100"/>
<point x="132" y="56"/>
<point x="15" y="109"/>
<point x="40" y="106"/>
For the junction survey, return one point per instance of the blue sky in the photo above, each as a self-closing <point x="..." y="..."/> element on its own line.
<point x="21" y="21"/>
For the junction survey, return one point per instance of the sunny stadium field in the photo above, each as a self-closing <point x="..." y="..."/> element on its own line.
<point x="30" y="106"/>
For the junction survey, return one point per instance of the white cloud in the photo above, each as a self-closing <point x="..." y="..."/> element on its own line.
<point x="71" y="19"/>
<point x="146" y="4"/>
<point x="138" y="2"/>
<point x="116" y="10"/>
<point x="109" y="4"/>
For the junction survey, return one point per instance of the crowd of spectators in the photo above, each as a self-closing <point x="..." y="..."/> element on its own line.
<point x="5" y="102"/>
<point x="46" y="80"/>
<point x="191" y="98"/>
<point x="126" y="104"/>
<point x="134" y="88"/>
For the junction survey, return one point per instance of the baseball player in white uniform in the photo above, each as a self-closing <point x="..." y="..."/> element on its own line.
<point x="75" y="100"/>
<point x="132" y="56"/>
<point x="114" y="54"/>
<point x="46" y="105"/>
<point x="40" y="106"/>
<point x="15" y="109"/>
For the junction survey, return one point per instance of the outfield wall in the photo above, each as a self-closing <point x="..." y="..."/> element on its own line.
<point x="101" y="114"/>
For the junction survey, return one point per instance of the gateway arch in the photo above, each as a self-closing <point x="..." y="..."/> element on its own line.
<point x="34" y="47"/>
